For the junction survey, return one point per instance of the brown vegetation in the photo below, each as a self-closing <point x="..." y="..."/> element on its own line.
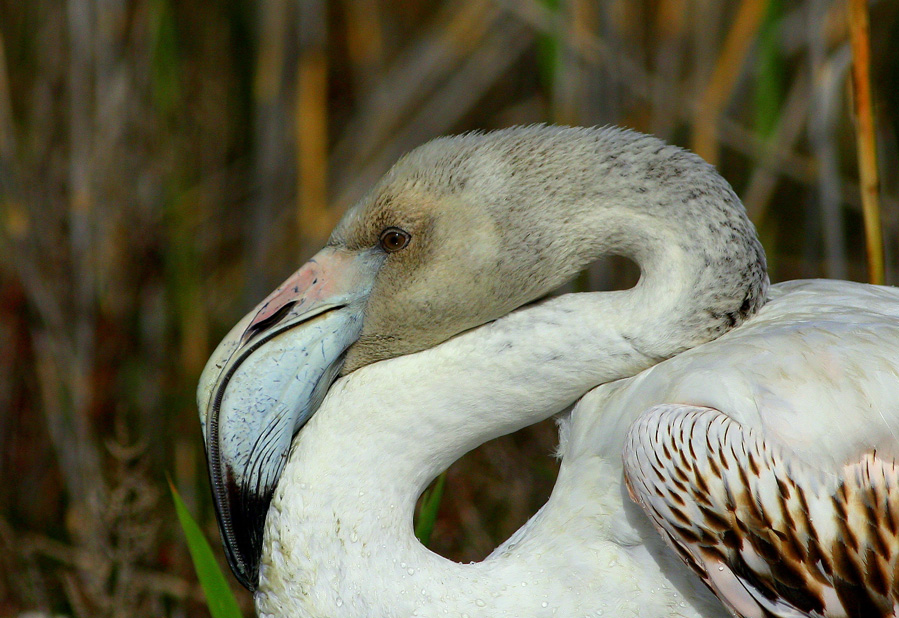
<point x="164" y="164"/>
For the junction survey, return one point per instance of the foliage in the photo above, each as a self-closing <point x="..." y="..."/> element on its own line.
<point x="427" y="511"/>
<point x="219" y="597"/>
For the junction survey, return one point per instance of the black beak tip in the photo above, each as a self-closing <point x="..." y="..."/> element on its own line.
<point x="241" y="518"/>
<point x="245" y="571"/>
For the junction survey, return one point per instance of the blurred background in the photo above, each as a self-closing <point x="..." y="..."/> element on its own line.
<point x="165" y="164"/>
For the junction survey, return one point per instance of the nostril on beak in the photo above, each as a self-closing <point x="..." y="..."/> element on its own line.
<point x="257" y="327"/>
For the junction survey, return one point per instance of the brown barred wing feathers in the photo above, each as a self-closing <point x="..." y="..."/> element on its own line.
<point x="768" y="533"/>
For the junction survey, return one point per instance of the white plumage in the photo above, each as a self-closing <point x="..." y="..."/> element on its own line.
<point x="816" y="373"/>
<point x="736" y="446"/>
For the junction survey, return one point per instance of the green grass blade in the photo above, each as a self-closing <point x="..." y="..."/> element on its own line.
<point x="769" y="86"/>
<point x="219" y="597"/>
<point x="165" y="61"/>
<point x="427" y="513"/>
<point x="549" y="51"/>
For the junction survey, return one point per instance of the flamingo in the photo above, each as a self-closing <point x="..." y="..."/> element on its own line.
<point x="729" y="450"/>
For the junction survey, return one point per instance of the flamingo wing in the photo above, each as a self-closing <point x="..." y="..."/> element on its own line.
<point x="769" y="533"/>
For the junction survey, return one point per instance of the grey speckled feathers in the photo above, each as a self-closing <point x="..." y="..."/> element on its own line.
<point x="502" y="200"/>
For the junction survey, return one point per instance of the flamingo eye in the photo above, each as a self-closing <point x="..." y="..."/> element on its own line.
<point x="394" y="239"/>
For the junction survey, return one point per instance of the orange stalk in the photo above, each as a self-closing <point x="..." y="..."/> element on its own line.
<point x="311" y="121"/>
<point x="865" y="137"/>
<point x="727" y="70"/>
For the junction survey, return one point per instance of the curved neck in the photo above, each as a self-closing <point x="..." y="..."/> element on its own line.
<point x="340" y="525"/>
<point x="341" y="519"/>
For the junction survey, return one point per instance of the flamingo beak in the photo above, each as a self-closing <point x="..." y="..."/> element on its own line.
<point x="263" y="383"/>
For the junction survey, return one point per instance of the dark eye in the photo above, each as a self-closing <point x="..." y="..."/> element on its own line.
<point x="394" y="239"/>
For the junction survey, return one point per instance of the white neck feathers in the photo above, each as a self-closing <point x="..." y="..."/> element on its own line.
<point x="340" y="527"/>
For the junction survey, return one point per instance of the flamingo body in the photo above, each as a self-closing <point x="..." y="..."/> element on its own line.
<point x="730" y="447"/>
<point x="791" y="372"/>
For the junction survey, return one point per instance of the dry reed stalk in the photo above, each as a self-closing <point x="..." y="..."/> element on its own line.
<point x="270" y="57"/>
<point x="7" y="137"/>
<point x="365" y="42"/>
<point x="797" y="166"/>
<point x="567" y="86"/>
<point x="788" y="130"/>
<point x="605" y="94"/>
<point x="144" y="580"/>
<point x="14" y="220"/>
<point x="724" y="78"/>
<point x="187" y="209"/>
<point x="865" y="137"/>
<point x="72" y="381"/>
<point x="586" y="44"/>
<point x="489" y="61"/>
<point x="313" y="220"/>
<point x="423" y="66"/>
<point x="829" y="73"/>
<point x="707" y="25"/>
<point x="583" y="20"/>
<point x="670" y="25"/>
<point x="273" y="165"/>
